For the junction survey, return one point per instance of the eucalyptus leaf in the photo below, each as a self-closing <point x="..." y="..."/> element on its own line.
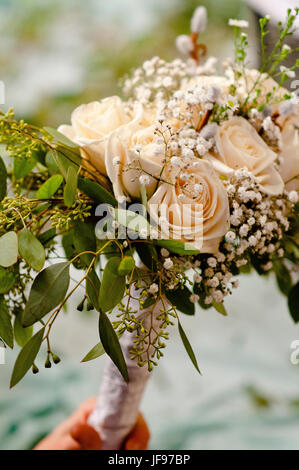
<point x="49" y="187"/>
<point x="22" y="335"/>
<point x="23" y="166"/>
<point x="70" y="189"/>
<point x="96" y="192"/>
<point x="6" y="331"/>
<point x="64" y="160"/>
<point x="132" y="220"/>
<point x="178" y="247"/>
<point x="84" y="239"/>
<point x="181" y="299"/>
<point x="8" y="249"/>
<point x="148" y="255"/>
<point x="48" y="290"/>
<point x="50" y="161"/>
<point x="60" y="138"/>
<point x="3" y="180"/>
<point x="283" y="277"/>
<point x="293" y="302"/>
<point x="31" y="249"/>
<point x="111" y="345"/>
<point x="126" y="265"/>
<point x="219" y="306"/>
<point x="188" y="347"/>
<point x="93" y="285"/>
<point x="97" y="351"/>
<point x="48" y="235"/>
<point x="112" y="287"/>
<point x="7" y="280"/>
<point x="26" y="357"/>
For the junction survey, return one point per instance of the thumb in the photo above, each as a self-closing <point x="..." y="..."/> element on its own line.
<point x="86" y="436"/>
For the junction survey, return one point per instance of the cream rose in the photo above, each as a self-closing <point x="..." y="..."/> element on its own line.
<point x="191" y="205"/>
<point x="289" y="167"/>
<point x="240" y="146"/>
<point x="91" y="126"/>
<point x="132" y="154"/>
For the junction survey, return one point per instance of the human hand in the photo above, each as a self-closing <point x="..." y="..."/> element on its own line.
<point x="76" y="434"/>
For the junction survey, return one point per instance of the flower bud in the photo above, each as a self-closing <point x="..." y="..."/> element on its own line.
<point x="199" y="20"/>
<point x="184" y="44"/>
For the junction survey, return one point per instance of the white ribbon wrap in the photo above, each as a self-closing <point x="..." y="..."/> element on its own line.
<point x="118" y="402"/>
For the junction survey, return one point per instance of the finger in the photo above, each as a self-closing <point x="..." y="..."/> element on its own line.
<point x="86" y="436"/>
<point x="55" y="443"/>
<point x="139" y="437"/>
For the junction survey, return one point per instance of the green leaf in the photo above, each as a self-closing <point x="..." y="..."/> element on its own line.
<point x="95" y="352"/>
<point x="22" y="335"/>
<point x="149" y="301"/>
<point x="3" y="180"/>
<point x="51" y="162"/>
<point x="132" y="220"/>
<point x="126" y="265"/>
<point x="7" y="280"/>
<point x="23" y="166"/>
<point x="181" y="299"/>
<point x="219" y="306"/>
<point x="188" y="347"/>
<point x="60" y="138"/>
<point x="48" y="290"/>
<point x="48" y="235"/>
<point x="8" y="249"/>
<point x="148" y="255"/>
<point x="6" y="331"/>
<point x="31" y="250"/>
<point x="113" y="286"/>
<point x="96" y="192"/>
<point x="111" y="345"/>
<point x="93" y="289"/>
<point x="178" y="247"/>
<point x="293" y="302"/>
<point x="26" y="357"/>
<point x="84" y="239"/>
<point x="49" y="188"/>
<point x="70" y="189"/>
<point x="283" y="277"/>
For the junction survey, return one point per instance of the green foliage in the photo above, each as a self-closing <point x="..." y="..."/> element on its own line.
<point x="97" y="351"/>
<point x="178" y="247"/>
<point x="180" y="298"/>
<point x="3" y="180"/>
<point x="96" y="192"/>
<point x="22" y="335"/>
<point x="188" y="347"/>
<point x="49" y="188"/>
<point x="8" y="249"/>
<point x="93" y="285"/>
<point x="7" y="280"/>
<point x="31" y="249"/>
<point x="70" y="189"/>
<point x="126" y="265"/>
<point x="6" y="330"/>
<point x="293" y="302"/>
<point x="283" y="277"/>
<point x="26" y="357"/>
<point x="219" y="307"/>
<point x="48" y="290"/>
<point x="113" y="286"/>
<point x="111" y="345"/>
<point x="85" y="240"/>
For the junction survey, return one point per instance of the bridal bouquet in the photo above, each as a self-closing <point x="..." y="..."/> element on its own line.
<point x="159" y="200"/>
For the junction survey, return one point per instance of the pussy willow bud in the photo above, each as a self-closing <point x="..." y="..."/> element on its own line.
<point x="199" y="20"/>
<point x="184" y="44"/>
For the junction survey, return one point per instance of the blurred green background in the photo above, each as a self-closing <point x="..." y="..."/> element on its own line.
<point x="54" y="56"/>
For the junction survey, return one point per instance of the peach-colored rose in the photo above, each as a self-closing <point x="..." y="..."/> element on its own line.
<point x="191" y="205"/>
<point x="91" y="126"/>
<point x="289" y="167"/>
<point x="240" y="146"/>
<point x="138" y="155"/>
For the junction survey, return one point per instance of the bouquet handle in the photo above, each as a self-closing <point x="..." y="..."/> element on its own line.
<point x="118" y="402"/>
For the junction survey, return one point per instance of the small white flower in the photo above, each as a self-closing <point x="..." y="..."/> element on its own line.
<point x="293" y="197"/>
<point x="197" y="278"/>
<point x="153" y="289"/>
<point x="143" y="233"/>
<point x="288" y="72"/>
<point x="230" y="236"/>
<point x="164" y="252"/>
<point x="208" y="300"/>
<point x="199" y="20"/>
<point x="184" y="44"/>
<point x="194" y="298"/>
<point x="168" y="263"/>
<point x="116" y="161"/>
<point x="252" y="240"/>
<point x="286" y="47"/>
<point x="175" y="162"/>
<point x="144" y="180"/>
<point x="238" y="23"/>
<point x="125" y="244"/>
<point x="244" y="230"/>
<point x="218" y="296"/>
<point x="212" y="262"/>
